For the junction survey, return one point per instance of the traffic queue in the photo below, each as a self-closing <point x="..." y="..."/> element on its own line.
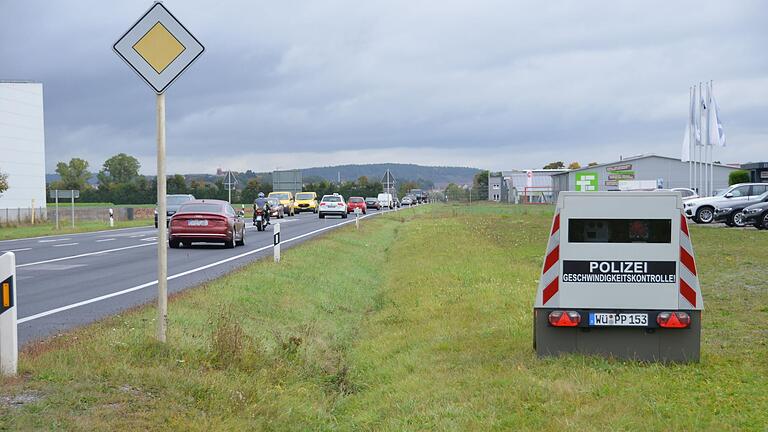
<point x="192" y="220"/>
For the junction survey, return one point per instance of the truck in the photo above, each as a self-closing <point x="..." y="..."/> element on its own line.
<point x="619" y="279"/>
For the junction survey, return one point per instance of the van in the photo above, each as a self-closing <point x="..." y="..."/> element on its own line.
<point x="619" y="279"/>
<point x="386" y="200"/>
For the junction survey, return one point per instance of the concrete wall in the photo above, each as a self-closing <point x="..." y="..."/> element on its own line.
<point x="22" y="144"/>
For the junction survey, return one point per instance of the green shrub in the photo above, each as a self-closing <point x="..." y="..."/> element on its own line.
<point x="738" y="176"/>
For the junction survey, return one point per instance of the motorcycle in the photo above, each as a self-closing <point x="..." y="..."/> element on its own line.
<point x="259" y="219"/>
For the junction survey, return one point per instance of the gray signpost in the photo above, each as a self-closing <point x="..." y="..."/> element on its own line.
<point x="159" y="48"/>
<point x="64" y="194"/>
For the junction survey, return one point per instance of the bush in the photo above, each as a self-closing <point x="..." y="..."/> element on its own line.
<point x="738" y="176"/>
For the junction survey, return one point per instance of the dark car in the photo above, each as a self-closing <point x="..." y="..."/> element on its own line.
<point x="172" y="203"/>
<point x="276" y="208"/>
<point x="733" y="215"/>
<point x="372" y="202"/>
<point x="757" y="214"/>
<point x="209" y="221"/>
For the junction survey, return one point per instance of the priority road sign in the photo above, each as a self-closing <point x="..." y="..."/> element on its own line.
<point x="158" y="47"/>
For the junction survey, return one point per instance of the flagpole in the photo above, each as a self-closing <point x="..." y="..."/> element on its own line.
<point x="702" y="192"/>
<point x="690" y="137"/>
<point x="712" y="149"/>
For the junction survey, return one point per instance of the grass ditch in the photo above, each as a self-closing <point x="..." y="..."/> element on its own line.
<point x="421" y="320"/>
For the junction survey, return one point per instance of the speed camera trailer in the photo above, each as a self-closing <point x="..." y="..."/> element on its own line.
<point x="619" y="279"/>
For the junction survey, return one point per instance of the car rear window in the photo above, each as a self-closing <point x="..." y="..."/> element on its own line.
<point x="304" y="196"/>
<point x="619" y="230"/>
<point x="355" y="200"/>
<point x="332" y="199"/>
<point x="281" y="196"/>
<point x="201" y="208"/>
<point x="176" y="200"/>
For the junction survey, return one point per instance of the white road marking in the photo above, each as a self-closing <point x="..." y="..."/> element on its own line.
<point x="84" y="255"/>
<point x="18" y="250"/>
<point x="74" y="234"/>
<point x="177" y="275"/>
<point x="65" y="244"/>
<point x="103" y="240"/>
<point x="137" y="235"/>
<point x="53" y="240"/>
<point x="149" y="239"/>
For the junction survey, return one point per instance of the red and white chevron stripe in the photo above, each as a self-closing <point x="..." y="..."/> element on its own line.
<point x="550" y="273"/>
<point x="690" y="292"/>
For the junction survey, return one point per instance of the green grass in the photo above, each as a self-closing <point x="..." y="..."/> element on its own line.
<point x="421" y="320"/>
<point x="49" y="229"/>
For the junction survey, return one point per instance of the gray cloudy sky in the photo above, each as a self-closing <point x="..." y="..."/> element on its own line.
<point x="491" y="84"/>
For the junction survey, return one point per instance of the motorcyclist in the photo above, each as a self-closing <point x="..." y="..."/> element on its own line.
<point x="261" y="202"/>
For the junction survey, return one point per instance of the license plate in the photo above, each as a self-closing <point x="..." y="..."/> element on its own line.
<point x="258" y="218"/>
<point x="197" y="222"/>
<point x="618" y="319"/>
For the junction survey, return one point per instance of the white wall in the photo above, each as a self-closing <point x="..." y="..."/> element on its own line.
<point x="22" y="144"/>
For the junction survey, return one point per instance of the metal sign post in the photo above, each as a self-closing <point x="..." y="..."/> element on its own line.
<point x="71" y="194"/>
<point x="159" y="48"/>
<point x="72" y="197"/>
<point x="277" y="242"/>
<point x="9" y="346"/>
<point x="57" y="208"/>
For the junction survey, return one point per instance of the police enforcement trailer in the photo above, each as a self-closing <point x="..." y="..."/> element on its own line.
<point x="619" y="279"/>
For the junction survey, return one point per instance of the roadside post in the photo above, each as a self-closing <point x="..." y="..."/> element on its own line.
<point x="56" y="196"/>
<point x="111" y="218"/>
<point x="357" y="217"/>
<point x="9" y="346"/>
<point x="72" y="207"/>
<point x="277" y="242"/>
<point x="159" y="48"/>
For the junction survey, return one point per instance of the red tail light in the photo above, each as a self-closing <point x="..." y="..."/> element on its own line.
<point x="322" y="204"/>
<point x="673" y="319"/>
<point x="564" y="318"/>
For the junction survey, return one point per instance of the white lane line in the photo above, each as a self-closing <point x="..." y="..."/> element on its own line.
<point x="177" y="275"/>
<point x="149" y="239"/>
<point x="103" y="240"/>
<point x="76" y="234"/>
<point x="65" y="244"/>
<point x="53" y="240"/>
<point x="84" y="255"/>
<point x="137" y="236"/>
<point x="18" y="250"/>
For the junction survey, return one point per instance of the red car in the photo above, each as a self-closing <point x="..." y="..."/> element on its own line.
<point x="209" y="221"/>
<point x="356" y="202"/>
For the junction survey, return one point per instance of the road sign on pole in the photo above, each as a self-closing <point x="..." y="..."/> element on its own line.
<point x="9" y="345"/>
<point x="159" y="48"/>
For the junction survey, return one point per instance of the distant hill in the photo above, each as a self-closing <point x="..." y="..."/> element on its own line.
<point x="438" y="175"/>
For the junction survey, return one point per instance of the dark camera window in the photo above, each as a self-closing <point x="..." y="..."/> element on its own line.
<point x="619" y="230"/>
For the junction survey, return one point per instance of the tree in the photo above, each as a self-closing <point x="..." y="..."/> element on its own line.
<point x="555" y="165"/>
<point x="176" y="184"/>
<point x="120" y="168"/>
<point x="3" y="182"/>
<point x="574" y="165"/>
<point x="480" y="184"/>
<point x="738" y="176"/>
<point x="73" y="176"/>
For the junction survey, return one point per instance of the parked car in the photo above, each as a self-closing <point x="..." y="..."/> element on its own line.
<point x="733" y="216"/>
<point x="172" y="203"/>
<point x="356" y="203"/>
<point x="286" y="199"/>
<point x="686" y="193"/>
<point x="332" y="205"/>
<point x="702" y="210"/>
<point x="306" y="201"/>
<point x="407" y="200"/>
<point x="276" y="208"/>
<point x="757" y="215"/>
<point x="373" y="203"/>
<point x="209" y="221"/>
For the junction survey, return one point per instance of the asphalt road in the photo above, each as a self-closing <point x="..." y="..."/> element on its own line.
<point x="72" y="280"/>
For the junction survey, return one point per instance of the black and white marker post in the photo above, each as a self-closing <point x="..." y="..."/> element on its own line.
<point x="277" y="242"/>
<point x="111" y="218"/>
<point x="9" y="342"/>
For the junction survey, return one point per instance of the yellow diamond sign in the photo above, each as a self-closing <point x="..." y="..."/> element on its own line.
<point x="158" y="47"/>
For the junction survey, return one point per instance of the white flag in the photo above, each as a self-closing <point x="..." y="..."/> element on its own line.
<point x="703" y="114"/>
<point x="696" y="117"/>
<point x="716" y="132"/>
<point x="685" y="154"/>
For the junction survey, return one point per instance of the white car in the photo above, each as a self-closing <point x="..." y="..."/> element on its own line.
<point x="702" y="210"/>
<point x="686" y="193"/>
<point x="332" y="205"/>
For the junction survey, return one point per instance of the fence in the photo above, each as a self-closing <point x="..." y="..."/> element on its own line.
<point x="23" y="216"/>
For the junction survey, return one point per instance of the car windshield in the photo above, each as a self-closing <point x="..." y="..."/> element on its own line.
<point x="200" y="208"/>
<point x="370" y="199"/>
<point x="304" y="196"/>
<point x="273" y="201"/>
<point x="332" y="199"/>
<point x="176" y="200"/>
<point x="280" y="196"/>
<point x="355" y="200"/>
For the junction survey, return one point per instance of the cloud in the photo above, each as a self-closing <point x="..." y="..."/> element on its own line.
<point x="492" y="84"/>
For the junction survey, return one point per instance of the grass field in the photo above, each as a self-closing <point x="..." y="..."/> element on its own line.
<point x="48" y="228"/>
<point x="421" y="320"/>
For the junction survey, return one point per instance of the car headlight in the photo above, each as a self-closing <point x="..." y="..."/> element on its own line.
<point x="757" y="210"/>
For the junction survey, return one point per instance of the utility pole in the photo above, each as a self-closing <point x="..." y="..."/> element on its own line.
<point x="231" y="182"/>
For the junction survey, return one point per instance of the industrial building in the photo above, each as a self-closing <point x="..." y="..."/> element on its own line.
<point x="661" y="171"/>
<point x="758" y="171"/>
<point x="522" y="186"/>
<point x="22" y="150"/>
